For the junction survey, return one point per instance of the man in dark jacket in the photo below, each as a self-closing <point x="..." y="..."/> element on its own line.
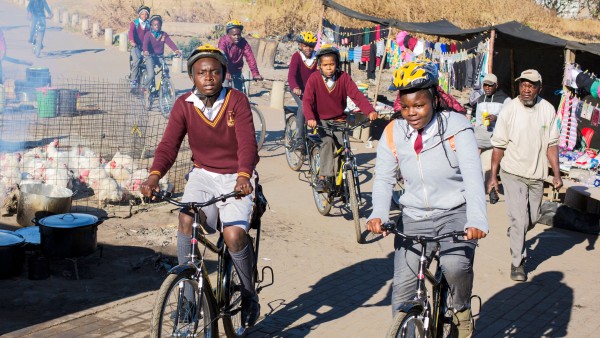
<point x="487" y="109"/>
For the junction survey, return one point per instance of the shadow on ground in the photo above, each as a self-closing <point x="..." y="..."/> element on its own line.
<point x="331" y="298"/>
<point x="537" y="308"/>
<point x="554" y="242"/>
<point x="57" y="54"/>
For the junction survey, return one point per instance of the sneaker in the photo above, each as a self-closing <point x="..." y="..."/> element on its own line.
<point x="464" y="323"/>
<point x="517" y="273"/>
<point x="250" y="310"/>
<point x="321" y="185"/>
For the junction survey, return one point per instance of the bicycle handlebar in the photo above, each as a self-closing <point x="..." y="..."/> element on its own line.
<point x="343" y="126"/>
<point x="165" y="195"/>
<point x="391" y="227"/>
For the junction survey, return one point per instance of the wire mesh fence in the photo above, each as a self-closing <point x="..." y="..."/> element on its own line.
<point x="92" y="136"/>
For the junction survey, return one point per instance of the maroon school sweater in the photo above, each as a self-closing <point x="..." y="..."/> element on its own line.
<point x="226" y="145"/>
<point x="136" y="34"/>
<point x="299" y="72"/>
<point x="156" y="46"/>
<point x="321" y="103"/>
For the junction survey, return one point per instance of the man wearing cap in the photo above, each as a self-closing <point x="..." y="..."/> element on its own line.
<point x="525" y="143"/>
<point x="487" y="108"/>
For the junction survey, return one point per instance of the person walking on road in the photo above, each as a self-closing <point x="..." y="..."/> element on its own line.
<point x="444" y="189"/>
<point x="525" y="142"/>
<point x="487" y="108"/>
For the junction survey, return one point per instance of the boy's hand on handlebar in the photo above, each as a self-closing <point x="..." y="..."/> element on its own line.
<point x="374" y="226"/>
<point x="297" y="91"/>
<point x="243" y="186"/>
<point x="474" y="233"/>
<point x="151" y="184"/>
<point x="258" y="78"/>
<point x="373" y="115"/>
<point x="311" y="123"/>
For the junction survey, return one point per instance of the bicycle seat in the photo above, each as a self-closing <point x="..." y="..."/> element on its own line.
<point x="290" y="109"/>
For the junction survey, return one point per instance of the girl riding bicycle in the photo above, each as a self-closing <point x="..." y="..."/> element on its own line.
<point x="302" y="64"/>
<point x="137" y="31"/>
<point x="436" y="150"/>
<point x="154" y="47"/>
<point x="218" y="123"/>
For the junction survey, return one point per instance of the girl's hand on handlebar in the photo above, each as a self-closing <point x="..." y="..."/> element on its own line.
<point x="297" y="91"/>
<point x="311" y="123"/>
<point x="374" y="226"/>
<point x="151" y="184"/>
<point x="243" y="186"/>
<point x="373" y="115"/>
<point x="474" y="233"/>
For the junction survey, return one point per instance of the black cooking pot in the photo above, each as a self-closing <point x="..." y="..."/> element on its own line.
<point x="12" y="253"/>
<point x="68" y="235"/>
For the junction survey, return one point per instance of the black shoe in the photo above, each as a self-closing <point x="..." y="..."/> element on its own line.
<point x="250" y="311"/>
<point x="517" y="273"/>
<point x="321" y="185"/>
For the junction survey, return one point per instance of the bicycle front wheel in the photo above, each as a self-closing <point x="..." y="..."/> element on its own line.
<point x="321" y="198"/>
<point x="181" y="310"/>
<point x="353" y="201"/>
<point x="37" y="47"/>
<point x="294" y="157"/>
<point x="167" y="97"/>
<point x="260" y="127"/>
<point x="407" y="324"/>
<point x="232" y="322"/>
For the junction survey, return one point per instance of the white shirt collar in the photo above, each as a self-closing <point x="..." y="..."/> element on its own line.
<point x="212" y="112"/>
<point x="329" y="82"/>
<point x="428" y="131"/>
<point x="308" y="61"/>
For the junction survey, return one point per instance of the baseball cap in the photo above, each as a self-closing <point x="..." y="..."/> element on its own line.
<point x="530" y="75"/>
<point x="490" y="79"/>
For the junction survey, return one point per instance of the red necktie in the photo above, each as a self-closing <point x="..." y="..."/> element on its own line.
<point x="419" y="142"/>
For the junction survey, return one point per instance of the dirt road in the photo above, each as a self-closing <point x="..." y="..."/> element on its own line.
<point x="326" y="285"/>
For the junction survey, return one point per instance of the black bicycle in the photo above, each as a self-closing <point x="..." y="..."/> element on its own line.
<point x="345" y="184"/>
<point x="187" y="304"/>
<point x="37" y="39"/>
<point x="419" y="317"/>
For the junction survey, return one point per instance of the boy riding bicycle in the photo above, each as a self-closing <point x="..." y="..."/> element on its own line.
<point x="324" y="101"/>
<point x="436" y="150"/>
<point x="302" y="65"/>
<point x="218" y="123"/>
<point x="137" y="31"/>
<point x="236" y="48"/>
<point x="154" y="48"/>
<point x="36" y="11"/>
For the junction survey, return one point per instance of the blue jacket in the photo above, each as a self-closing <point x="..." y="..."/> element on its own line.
<point x="436" y="180"/>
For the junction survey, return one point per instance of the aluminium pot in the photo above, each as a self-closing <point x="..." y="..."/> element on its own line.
<point x="12" y="254"/>
<point x="37" y="200"/>
<point x="68" y="235"/>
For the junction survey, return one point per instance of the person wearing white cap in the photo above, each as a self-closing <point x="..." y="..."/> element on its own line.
<point x="487" y="108"/>
<point x="525" y="143"/>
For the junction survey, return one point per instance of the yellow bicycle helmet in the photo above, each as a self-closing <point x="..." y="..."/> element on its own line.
<point x="416" y="75"/>
<point x="233" y="24"/>
<point x="206" y="51"/>
<point x="307" y="38"/>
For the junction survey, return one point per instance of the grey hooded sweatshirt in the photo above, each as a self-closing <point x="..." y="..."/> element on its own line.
<point x="432" y="185"/>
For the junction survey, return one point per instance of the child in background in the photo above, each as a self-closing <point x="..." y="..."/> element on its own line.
<point x="236" y="48"/>
<point x="154" y="47"/>
<point x="325" y="100"/>
<point x="302" y="65"/>
<point x="137" y="31"/>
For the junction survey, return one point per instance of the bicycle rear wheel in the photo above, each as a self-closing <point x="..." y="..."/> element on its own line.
<point x="353" y="201"/>
<point x="294" y="157"/>
<point x="260" y="126"/>
<point x="174" y="315"/>
<point x="407" y="324"/>
<point x="166" y="97"/>
<point x="232" y="322"/>
<point x="321" y="198"/>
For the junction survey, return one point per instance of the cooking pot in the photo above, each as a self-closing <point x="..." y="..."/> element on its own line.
<point x="39" y="200"/>
<point x="31" y="236"/>
<point x="11" y="253"/>
<point x="68" y="235"/>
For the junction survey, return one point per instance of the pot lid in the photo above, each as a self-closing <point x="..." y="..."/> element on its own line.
<point x="31" y="234"/>
<point x="9" y="238"/>
<point x="68" y="220"/>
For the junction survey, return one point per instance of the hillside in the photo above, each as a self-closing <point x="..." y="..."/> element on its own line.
<point x="282" y="17"/>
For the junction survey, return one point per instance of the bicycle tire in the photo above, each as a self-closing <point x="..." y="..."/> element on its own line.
<point x="232" y="323"/>
<point x="353" y="200"/>
<point x="321" y="198"/>
<point x="260" y="126"/>
<point x="445" y="326"/>
<point x="294" y="157"/>
<point x="37" y="47"/>
<point x="166" y="97"/>
<point x="167" y="306"/>
<point x="407" y="325"/>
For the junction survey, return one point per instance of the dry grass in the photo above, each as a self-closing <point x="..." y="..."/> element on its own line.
<point x="282" y="17"/>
